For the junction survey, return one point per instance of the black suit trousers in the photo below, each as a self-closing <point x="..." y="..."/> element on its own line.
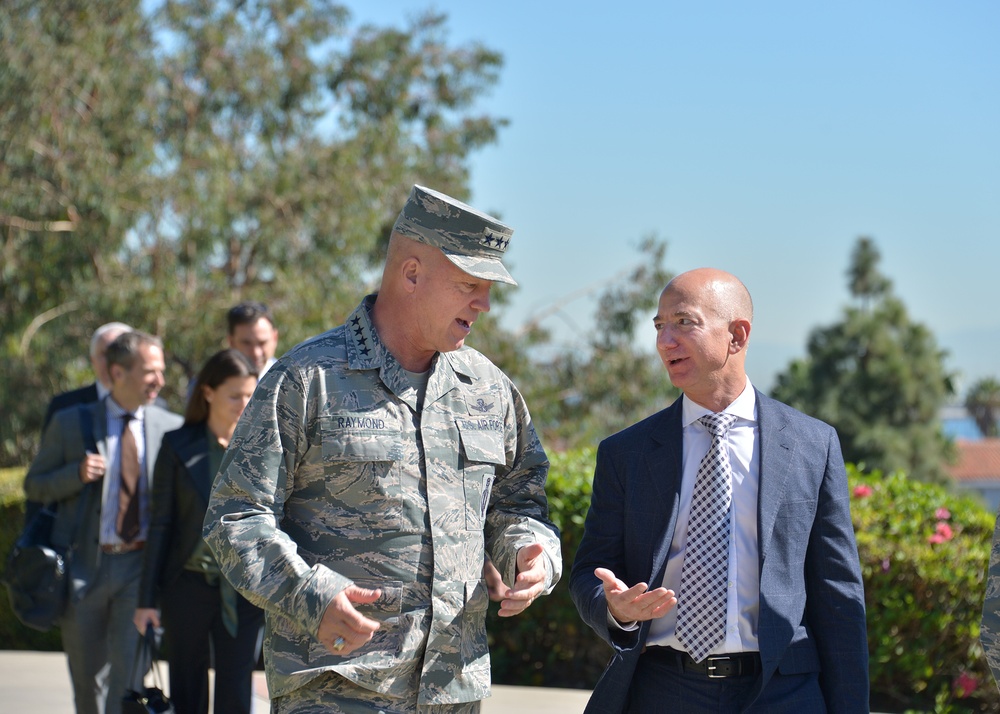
<point x="193" y="631"/>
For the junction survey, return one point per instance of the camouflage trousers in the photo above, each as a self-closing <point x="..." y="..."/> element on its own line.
<point x="332" y="694"/>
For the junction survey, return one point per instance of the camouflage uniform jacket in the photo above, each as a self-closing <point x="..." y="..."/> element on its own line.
<point x="333" y="477"/>
<point x="989" y="631"/>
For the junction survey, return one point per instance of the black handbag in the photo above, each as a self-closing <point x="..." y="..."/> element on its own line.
<point x="37" y="574"/>
<point x="149" y="700"/>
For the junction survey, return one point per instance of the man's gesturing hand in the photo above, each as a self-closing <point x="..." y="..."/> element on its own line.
<point x="634" y="604"/>
<point x="344" y="629"/>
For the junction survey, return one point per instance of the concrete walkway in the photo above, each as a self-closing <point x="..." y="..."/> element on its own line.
<point x="38" y="683"/>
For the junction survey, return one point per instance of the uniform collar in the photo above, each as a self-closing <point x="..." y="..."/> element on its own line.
<point x="366" y="351"/>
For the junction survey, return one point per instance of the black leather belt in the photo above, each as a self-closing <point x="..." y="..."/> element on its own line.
<point x="740" y="664"/>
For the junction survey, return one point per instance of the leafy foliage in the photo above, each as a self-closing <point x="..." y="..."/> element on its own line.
<point x="74" y="163"/>
<point x="876" y="376"/>
<point x="549" y="644"/>
<point x="924" y="553"/>
<point x="162" y="161"/>
<point x="579" y="396"/>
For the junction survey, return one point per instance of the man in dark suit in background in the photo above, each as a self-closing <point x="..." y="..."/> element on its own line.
<point x="251" y="330"/>
<point x="734" y="509"/>
<point x="99" y="341"/>
<point x="96" y="462"/>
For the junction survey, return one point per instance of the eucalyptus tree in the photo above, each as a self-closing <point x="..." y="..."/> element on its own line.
<point x="162" y="160"/>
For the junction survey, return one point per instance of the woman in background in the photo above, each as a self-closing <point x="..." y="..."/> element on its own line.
<point x="179" y="571"/>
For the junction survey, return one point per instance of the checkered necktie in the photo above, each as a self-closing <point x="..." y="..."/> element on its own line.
<point x="701" y="602"/>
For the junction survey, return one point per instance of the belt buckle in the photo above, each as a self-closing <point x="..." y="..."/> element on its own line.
<point x="713" y="663"/>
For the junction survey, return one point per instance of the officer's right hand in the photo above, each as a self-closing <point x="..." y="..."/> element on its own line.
<point x="634" y="604"/>
<point x="344" y="629"/>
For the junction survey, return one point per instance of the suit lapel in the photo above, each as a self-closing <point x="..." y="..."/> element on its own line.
<point x="194" y="455"/>
<point x="99" y="429"/>
<point x="664" y="461"/>
<point x="776" y="447"/>
<point x="153" y="428"/>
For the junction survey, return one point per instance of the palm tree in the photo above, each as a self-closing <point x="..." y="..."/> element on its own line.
<point x="983" y="403"/>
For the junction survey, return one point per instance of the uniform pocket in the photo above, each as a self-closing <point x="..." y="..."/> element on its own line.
<point x="482" y="455"/>
<point x="387" y="640"/>
<point x="475" y="651"/>
<point x="361" y="476"/>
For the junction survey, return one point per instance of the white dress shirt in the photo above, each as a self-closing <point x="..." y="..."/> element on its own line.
<point x="744" y="574"/>
<point x="112" y="473"/>
<point x="743" y="593"/>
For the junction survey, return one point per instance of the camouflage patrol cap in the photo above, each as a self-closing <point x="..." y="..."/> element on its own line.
<point x="470" y="239"/>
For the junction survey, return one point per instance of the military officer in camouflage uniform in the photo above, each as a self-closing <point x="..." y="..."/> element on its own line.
<point x="374" y="469"/>
<point x="989" y="632"/>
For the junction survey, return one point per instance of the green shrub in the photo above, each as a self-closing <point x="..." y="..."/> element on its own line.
<point x="924" y="553"/>
<point x="14" y="635"/>
<point x="549" y="644"/>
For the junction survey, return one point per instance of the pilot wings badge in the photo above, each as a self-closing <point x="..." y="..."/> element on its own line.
<point x="482" y="406"/>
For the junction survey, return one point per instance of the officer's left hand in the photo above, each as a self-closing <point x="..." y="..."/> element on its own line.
<point x="529" y="583"/>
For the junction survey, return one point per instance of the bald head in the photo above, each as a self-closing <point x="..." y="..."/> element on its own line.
<point x="721" y="292"/>
<point x="102" y="337"/>
<point x="702" y="329"/>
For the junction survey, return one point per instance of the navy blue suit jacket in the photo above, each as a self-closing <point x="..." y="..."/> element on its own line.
<point x="812" y="612"/>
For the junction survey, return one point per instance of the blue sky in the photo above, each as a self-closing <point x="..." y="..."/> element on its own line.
<point x="762" y="138"/>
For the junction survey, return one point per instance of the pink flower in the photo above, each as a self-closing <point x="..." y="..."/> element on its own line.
<point x="965" y="684"/>
<point x="942" y="533"/>
<point x="942" y="514"/>
<point x="886" y="564"/>
<point x="862" y="491"/>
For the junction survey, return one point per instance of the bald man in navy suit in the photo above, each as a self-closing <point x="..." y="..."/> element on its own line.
<point x="789" y="617"/>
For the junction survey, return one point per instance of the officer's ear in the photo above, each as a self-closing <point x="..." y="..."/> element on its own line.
<point x="410" y="270"/>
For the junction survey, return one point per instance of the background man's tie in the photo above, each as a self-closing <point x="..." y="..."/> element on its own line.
<point x="701" y="602"/>
<point x="127" y="523"/>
